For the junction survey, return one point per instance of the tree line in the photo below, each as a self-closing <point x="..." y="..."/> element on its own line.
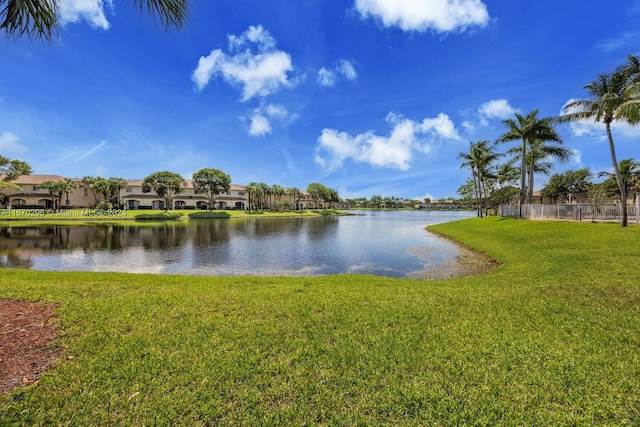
<point x="208" y="182"/>
<point x="612" y="96"/>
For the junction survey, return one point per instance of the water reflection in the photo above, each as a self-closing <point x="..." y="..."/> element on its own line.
<point x="382" y="243"/>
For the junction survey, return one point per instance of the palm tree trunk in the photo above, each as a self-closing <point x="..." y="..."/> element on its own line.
<point x="530" y="189"/>
<point x="616" y="169"/>
<point x="476" y="189"/>
<point x="523" y="174"/>
<point x="483" y="195"/>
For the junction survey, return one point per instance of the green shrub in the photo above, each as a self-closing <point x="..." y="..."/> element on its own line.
<point x="209" y="215"/>
<point x="157" y="217"/>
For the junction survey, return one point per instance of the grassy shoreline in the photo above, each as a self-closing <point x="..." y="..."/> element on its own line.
<point x="550" y="338"/>
<point x="35" y="217"/>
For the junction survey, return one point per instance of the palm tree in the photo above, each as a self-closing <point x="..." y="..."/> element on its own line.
<point x="630" y="171"/>
<point x="537" y="156"/>
<point x="277" y="191"/>
<point x="479" y="159"/>
<point x="528" y="129"/>
<point x="507" y="174"/>
<point x="469" y="161"/>
<point x="252" y="194"/>
<point x="39" y="18"/>
<point x="296" y="194"/>
<point x="630" y="108"/>
<point x="264" y="191"/>
<point x="57" y="189"/>
<point x="607" y="95"/>
<point x="68" y="186"/>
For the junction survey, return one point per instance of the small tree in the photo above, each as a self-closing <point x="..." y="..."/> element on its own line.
<point x="56" y="189"/>
<point x="630" y="173"/>
<point x="68" y="186"/>
<point x="566" y="185"/>
<point x="211" y="182"/>
<point x="89" y="181"/>
<point x="376" y="201"/>
<point x="165" y="184"/>
<point x="597" y="198"/>
<point x="10" y="171"/>
<point x="252" y="194"/>
<point x="114" y="186"/>
<point x="278" y="191"/>
<point x="296" y="194"/>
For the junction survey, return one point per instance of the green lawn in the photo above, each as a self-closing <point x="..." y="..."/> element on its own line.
<point x="37" y="217"/>
<point x="552" y="337"/>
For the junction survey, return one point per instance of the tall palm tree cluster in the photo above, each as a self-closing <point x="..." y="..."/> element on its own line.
<point x="612" y="97"/>
<point x="59" y="188"/>
<point x="261" y="196"/>
<point x="538" y="142"/>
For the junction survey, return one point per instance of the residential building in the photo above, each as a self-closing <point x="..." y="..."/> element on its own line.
<point x="31" y="195"/>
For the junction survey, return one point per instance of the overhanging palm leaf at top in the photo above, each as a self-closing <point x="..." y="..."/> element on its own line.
<point x="39" y="18"/>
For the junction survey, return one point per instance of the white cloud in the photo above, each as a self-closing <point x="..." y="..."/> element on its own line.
<point x="347" y="70"/>
<point x="92" y="11"/>
<point x="253" y="64"/>
<point x="10" y="143"/>
<point x="469" y="126"/>
<point x="326" y="77"/>
<point x="497" y="109"/>
<point x="422" y="15"/>
<point x="613" y="44"/>
<point x="442" y="126"/>
<point x="261" y="117"/>
<point x="276" y="111"/>
<point x="259" y="125"/>
<point x="329" y="77"/>
<point x="493" y="109"/>
<point x="426" y="196"/>
<point x="576" y="157"/>
<point x="395" y="150"/>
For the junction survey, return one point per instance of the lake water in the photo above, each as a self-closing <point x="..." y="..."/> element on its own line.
<point x="384" y="243"/>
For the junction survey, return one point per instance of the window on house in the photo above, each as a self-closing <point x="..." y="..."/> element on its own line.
<point x="129" y="190"/>
<point x="36" y="188"/>
<point x="85" y="192"/>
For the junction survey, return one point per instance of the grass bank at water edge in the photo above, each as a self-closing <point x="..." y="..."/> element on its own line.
<point x="550" y="338"/>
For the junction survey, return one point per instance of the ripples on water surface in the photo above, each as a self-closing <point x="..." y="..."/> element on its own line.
<point x="384" y="243"/>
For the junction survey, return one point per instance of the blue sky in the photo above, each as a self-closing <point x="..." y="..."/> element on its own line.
<point x="365" y="96"/>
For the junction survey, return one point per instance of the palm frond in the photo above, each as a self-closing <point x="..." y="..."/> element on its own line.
<point x="32" y="18"/>
<point x="171" y="13"/>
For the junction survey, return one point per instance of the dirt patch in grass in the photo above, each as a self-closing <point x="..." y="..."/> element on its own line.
<point x="27" y="335"/>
